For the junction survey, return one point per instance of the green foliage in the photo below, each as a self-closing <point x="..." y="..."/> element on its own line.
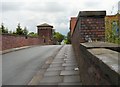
<point x="58" y="37"/>
<point x="19" y="30"/>
<point x="14" y="33"/>
<point x="117" y="40"/>
<point x="32" y="34"/>
<point x="25" y="31"/>
<point x="111" y="35"/>
<point x="3" y="29"/>
<point x="68" y="38"/>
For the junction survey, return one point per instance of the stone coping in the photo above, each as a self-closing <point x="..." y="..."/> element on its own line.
<point x="99" y="44"/>
<point x="104" y="57"/>
<point x="112" y="46"/>
<point x="107" y="56"/>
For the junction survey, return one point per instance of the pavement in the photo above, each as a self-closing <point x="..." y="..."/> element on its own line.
<point x="61" y="70"/>
<point x="14" y="49"/>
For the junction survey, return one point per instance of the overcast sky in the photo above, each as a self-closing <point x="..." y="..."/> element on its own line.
<point x="31" y="13"/>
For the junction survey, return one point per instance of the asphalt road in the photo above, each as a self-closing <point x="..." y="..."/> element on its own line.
<point x="19" y="67"/>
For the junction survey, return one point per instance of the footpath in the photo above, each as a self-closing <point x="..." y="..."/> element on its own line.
<point x="61" y="70"/>
<point x="14" y="49"/>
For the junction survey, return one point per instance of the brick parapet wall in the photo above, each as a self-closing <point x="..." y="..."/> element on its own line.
<point x="8" y="41"/>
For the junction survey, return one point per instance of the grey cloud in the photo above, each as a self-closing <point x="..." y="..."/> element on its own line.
<point x="50" y="7"/>
<point x="12" y="6"/>
<point x="92" y="3"/>
<point x="119" y="5"/>
<point x="61" y="20"/>
<point x="54" y="7"/>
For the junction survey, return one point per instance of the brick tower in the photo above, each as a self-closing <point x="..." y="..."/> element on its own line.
<point x="45" y="31"/>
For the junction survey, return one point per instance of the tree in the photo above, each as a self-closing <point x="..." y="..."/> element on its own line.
<point x="25" y="31"/>
<point x="19" y="30"/>
<point x="6" y="30"/>
<point x="58" y="37"/>
<point x="68" y="38"/>
<point x="3" y="29"/>
<point x="32" y="34"/>
<point x="10" y="32"/>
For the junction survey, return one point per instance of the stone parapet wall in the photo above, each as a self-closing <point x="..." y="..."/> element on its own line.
<point x="8" y="41"/>
<point x="96" y="69"/>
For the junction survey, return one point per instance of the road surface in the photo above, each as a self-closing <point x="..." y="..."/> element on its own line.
<point x="20" y="66"/>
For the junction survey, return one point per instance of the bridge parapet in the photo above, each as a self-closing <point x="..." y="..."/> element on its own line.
<point x="98" y="63"/>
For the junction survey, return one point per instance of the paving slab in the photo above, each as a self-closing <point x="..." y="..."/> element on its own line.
<point x="67" y="59"/>
<point x="65" y="64"/>
<point x="58" y="61"/>
<point x="52" y="79"/>
<point x="69" y="83"/>
<point x="43" y="84"/>
<point x="70" y="61"/>
<point x="61" y="61"/>
<point x="52" y="73"/>
<point x="69" y="72"/>
<point x="60" y="57"/>
<point x="75" y="78"/>
<point x="70" y="67"/>
<point x="56" y="68"/>
<point x="56" y="65"/>
<point x="69" y="64"/>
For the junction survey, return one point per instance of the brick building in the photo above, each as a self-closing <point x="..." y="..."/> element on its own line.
<point x="90" y="25"/>
<point x="72" y="24"/>
<point x="45" y="31"/>
<point x="112" y="28"/>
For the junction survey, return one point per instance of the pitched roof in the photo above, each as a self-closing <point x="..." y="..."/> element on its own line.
<point x="45" y="25"/>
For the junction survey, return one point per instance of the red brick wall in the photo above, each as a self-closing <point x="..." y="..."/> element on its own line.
<point x="13" y="41"/>
<point x="89" y="25"/>
<point x="46" y="34"/>
<point x="72" y="24"/>
<point x="94" y="27"/>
